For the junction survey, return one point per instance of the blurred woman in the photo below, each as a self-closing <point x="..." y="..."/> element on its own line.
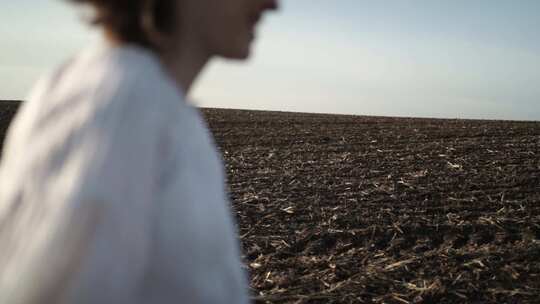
<point x="111" y="187"/>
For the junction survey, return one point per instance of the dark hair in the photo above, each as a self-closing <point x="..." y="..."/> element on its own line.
<point x="123" y="18"/>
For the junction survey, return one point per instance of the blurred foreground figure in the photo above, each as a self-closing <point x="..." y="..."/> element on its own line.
<point x="111" y="187"/>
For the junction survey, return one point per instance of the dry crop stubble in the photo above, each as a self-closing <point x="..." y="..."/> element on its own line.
<point x="353" y="209"/>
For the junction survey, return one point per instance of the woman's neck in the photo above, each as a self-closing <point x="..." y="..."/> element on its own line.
<point x="184" y="64"/>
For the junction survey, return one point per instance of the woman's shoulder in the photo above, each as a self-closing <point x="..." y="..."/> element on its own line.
<point x="134" y="77"/>
<point x="128" y="83"/>
<point x="100" y="88"/>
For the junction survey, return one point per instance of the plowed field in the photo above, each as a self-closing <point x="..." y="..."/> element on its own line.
<point x="356" y="209"/>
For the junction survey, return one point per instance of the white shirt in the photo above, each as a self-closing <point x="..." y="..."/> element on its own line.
<point x="112" y="191"/>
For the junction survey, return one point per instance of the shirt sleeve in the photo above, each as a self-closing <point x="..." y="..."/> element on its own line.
<point x="126" y="189"/>
<point x="123" y="187"/>
<point x="94" y="247"/>
<point x="197" y="253"/>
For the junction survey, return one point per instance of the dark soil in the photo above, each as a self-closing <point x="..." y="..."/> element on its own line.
<point x="356" y="209"/>
<point x="8" y="109"/>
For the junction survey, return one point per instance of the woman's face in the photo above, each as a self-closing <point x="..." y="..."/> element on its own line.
<point x="221" y="27"/>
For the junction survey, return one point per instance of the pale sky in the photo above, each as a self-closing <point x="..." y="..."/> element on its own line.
<point x="419" y="58"/>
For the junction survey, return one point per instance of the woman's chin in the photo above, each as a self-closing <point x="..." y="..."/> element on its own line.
<point x="238" y="53"/>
